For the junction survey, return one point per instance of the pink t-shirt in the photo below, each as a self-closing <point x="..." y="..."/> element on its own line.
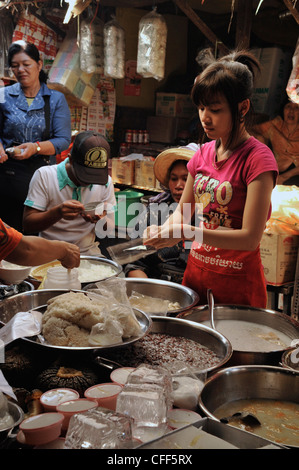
<point x="222" y="186"/>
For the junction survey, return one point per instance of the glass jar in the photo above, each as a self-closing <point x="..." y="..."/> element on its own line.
<point x="62" y="278"/>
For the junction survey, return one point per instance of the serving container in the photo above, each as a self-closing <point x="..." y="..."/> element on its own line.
<point x="72" y="407"/>
<point x="248" y="382"/>
<point x="230" y="435"/>
<point x="42" y="428"/>
<point x="11" y="273"/>
<point x="160" y="289"/>
<point x="104" y="394"/>
<point x="38" y="273"/>
<point x="270" y="318"/>
<point x="37" y="299"/>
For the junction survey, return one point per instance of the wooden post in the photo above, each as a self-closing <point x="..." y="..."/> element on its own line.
<point x="190" y="13"/>
<point x="244" y="23"/>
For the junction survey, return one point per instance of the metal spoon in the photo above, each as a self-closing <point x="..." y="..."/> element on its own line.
<point x="247" y="418"/>
<point x="211" y="307"/>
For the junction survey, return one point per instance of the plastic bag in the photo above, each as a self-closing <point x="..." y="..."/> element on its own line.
<point x="293" y="83"/>
<point x="92" y="45"/>
<point x="187" y="385"/>
<point x="6" y="32"/>
<point x="285" y="211"/>
<point x="129" y="251"/>
<point x="120" y="321"/>
<point x="114" y="50"/>
<point x="151" y="51"/>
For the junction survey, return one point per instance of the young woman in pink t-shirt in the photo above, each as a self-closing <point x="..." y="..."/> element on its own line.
<point x="232" y="176"/>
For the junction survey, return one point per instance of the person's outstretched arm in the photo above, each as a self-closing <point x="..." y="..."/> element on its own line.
<point x="33" y="251"/>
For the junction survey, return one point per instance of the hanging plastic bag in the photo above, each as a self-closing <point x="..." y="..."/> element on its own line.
<point x="151" y="51"/>
<point x="293" y="83"/>
<point x="6" y="32"/>
<point x="92" y="45"/>
<point x="114" y="50"/>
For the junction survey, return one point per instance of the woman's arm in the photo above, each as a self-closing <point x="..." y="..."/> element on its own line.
<point x="247" y="238"/>
<point x="32" y="251"/>
<point x="60" y="132"/>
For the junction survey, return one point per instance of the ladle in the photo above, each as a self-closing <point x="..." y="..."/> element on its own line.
<point x="211" y="307"/>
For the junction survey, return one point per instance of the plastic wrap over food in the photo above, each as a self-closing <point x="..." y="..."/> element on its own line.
<point x="114" y="50"/>
<point x="92" y="46"/>
<point x="151" y="52"/>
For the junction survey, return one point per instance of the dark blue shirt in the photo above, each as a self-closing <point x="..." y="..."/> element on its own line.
<point x="22" y="123"/>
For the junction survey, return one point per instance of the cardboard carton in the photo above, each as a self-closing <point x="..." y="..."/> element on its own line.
<point x="279" y="257"/>
<point x="165" y="129"/>
<point x="175" y="105"/>
<point x="123" y="171"/>
<point x="144" y="173"/>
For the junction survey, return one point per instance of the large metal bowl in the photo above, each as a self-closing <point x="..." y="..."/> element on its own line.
<point x="160" y="289"/>
<point x="271" y="318"/>
<point x="204" y="335"/>
<point x="92" y="259"/>
<point x="248" y="382"/>
<point x="17" y="415"/>
<point x="290" y="359"/>
<point x="37" y="299"/>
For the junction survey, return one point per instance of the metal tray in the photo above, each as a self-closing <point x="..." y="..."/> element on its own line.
<point x="237" y="437"/>
<point x="37" y="300"/>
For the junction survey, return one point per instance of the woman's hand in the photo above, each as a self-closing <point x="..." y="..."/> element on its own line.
<point x="165" y="236"/>
<point x="24" y="151"/>
<point x="3" y="155"/>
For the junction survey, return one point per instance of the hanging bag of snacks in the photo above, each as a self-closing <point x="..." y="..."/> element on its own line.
<point x="114" y="50"/>
<point x="92" y="45"/>
<point x="152" y="46"/>
<point x="293" y="83"/>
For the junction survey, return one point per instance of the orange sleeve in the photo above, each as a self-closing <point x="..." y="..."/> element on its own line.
<point x="9" y="239"/>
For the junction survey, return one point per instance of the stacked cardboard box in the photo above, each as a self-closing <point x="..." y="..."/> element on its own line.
<point x="279" y="257"/>
<point x="66" y="76"/>
<point x="144" y="173"/>
<point x="174" y="104"/>
<point x="270" y="86"/>
<point x="123" y="171"/>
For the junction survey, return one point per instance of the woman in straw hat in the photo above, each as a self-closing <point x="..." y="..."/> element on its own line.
<point x="170" y="169"/>
<point x="232" y="176"/>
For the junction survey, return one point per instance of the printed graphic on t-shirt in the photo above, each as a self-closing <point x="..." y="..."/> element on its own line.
<point x="215" y="197"/>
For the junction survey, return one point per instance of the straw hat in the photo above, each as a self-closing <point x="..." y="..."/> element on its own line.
<point x="166" y="158"/>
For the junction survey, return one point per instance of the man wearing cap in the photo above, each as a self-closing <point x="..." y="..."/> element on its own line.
<point x="57" y="194"/>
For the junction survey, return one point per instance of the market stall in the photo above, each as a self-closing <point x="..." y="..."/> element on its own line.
<point x="112" y="363"/>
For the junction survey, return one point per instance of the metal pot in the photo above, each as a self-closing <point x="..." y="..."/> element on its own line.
<point x="160" y="289"/>
<point x="290" y="359"/>
<point x="17" y="415"/>
<point x="271" y="318"/>
<point x="248" y="382"/>
<point x="204" y="335"/>
<point x="38" y="299"/>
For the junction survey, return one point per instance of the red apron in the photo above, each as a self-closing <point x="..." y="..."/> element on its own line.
<point x="235" y="277"/>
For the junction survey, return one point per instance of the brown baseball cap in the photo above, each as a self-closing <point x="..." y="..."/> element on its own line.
<point x="90" y="154"/>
